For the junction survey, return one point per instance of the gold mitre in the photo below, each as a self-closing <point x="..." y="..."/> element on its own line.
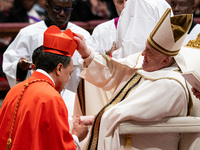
<point x="169" y="33"/>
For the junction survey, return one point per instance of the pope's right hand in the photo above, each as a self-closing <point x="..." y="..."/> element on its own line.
<point x="82" y="48"/>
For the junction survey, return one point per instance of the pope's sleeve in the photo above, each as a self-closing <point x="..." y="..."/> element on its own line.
<point x="103" y="72"/>
<point x="17" y="49"/>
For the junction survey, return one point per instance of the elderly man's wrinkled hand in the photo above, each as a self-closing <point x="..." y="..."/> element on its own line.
<point x="82" y="48"/>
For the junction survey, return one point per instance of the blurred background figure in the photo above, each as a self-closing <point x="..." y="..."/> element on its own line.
<point x="85" y="10"/>
<point x="104" y="34"/>
<point x="40" y="8"/>
<point x="197" y="8"/>
<point x="186" y="7"/>
<point x="5" y="7"/>
<point x="23" y="11"/>
<point x="101" y="8"/>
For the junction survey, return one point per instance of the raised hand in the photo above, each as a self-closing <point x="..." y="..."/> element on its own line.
<point x="82" y="48"/>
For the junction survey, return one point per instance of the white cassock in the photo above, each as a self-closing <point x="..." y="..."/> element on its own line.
<point x="27" y="40"/>
<point x="157" y="95"/>
<point x="136" y="22"/>
<point x="102" y="37"/>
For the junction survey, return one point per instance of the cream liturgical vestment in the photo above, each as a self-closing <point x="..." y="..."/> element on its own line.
<point x="132" y="31"/>
<point x="101" y="40"/>
<point x="27" y="40"/>
<point x="140" y="96"/>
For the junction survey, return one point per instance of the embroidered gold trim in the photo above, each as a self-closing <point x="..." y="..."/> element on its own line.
<point x="118" y="97"/>
<point x="81" y="95"/>
<point x="133" y="81"/>
<point x="137" y="60"/>
<point x="194" y="43"/>
<point x="160" y="22"/>
<point x="161" y="49"/>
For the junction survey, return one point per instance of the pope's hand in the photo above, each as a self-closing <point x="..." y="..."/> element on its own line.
<point x="82" y="48"/>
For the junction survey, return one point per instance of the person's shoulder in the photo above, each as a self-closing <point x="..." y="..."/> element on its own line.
<point x="34" y="27"/>
<point x="174" y="76"/>
<point x="106" y="24"/>
<point x="33" y="30"/>
<point x="75" y="28"/>
<point x="51" y="96"/>
<point x="48" y="97"/>
<point x="105" y="28"/>
<point x="45" y="90"/>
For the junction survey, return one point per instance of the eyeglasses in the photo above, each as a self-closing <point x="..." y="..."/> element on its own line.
<point x="58" y="9"/>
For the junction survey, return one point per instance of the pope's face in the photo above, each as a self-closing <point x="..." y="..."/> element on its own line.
<point x="181" y="7"/>
<point x="59" y="11"/>
<point x="153" y="60"/>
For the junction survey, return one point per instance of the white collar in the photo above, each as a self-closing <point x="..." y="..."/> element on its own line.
<point x="45" y="73"/>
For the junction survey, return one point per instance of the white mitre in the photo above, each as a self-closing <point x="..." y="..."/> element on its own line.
<point x="169" y="33"/>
